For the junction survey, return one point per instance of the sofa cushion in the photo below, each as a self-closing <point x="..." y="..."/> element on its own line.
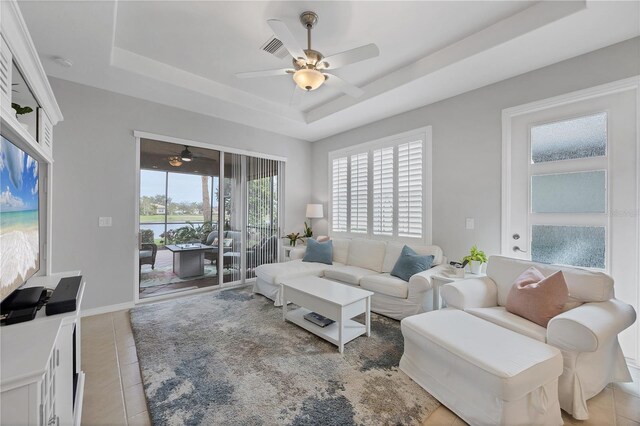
<point x="537" y="298"/>
<point x="385" y="284"/>
<point x="340" y="250"/>
<point x="319" y="252"/>
<point x="348" y="274"/>
<point x="583" y="285"/>
<point x="410" y="263"/>
<point x="368" y="254"/>
<point x="274" y="273"/>
<point x="499" y="316"/>
<point x="394" y="249"/>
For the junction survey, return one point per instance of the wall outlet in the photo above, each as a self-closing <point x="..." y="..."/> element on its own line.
<point x="104" y="221"/>
<point x="470" y="223"/>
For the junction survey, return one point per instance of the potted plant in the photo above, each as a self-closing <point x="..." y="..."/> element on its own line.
<point x="294" y="237"/>
<point x="308" y="232"/>
<point x="475" y="258"/>
<point x="21" y="110"/>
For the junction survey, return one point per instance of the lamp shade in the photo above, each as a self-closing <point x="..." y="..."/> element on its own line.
<point x="314" y="211"/>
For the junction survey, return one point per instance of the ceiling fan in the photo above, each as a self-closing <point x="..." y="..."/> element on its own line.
<point x="185" y="156"/>
<point x="310" y="66"/>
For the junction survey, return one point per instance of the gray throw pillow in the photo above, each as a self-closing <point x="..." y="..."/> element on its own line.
<point x="410" y="263"/>
<point x="319" y="252"/>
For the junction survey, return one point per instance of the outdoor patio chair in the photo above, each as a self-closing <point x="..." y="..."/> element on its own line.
<point x="148" y="253"/>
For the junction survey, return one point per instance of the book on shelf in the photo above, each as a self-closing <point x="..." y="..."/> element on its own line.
<point x="318" y="319"/>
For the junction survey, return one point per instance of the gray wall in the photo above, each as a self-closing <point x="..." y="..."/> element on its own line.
<point x="94" y="175"/>
<point x="467" y="138"/>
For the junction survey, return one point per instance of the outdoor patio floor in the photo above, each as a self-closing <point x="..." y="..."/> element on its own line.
<point x="168" y="282"/>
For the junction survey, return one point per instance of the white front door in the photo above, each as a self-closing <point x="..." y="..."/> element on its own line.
<point x="571" y="192"/>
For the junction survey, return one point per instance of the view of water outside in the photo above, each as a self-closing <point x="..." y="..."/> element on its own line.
<point x="169" y="201"/>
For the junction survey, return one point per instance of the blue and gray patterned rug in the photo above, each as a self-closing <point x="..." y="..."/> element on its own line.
<point x="227" y="358"/>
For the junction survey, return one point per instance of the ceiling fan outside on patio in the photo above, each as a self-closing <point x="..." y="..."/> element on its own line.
<point x="310" y="67"/>
<point x="185" y="156"/>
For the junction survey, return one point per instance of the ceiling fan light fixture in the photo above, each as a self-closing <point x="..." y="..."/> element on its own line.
<point x="186" y="155"/>
<point x="175" y="161"/>
<point x="308" y="79"/>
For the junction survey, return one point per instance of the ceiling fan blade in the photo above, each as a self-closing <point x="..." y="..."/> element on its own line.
<point x="265" y="73"/>
<point x="343" y="86"/>
<point x="296" y="96"/>
<point x="285" y="35"/>
<point x="352" y="56"/>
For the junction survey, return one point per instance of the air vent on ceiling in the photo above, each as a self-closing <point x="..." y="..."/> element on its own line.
<point x="275" y="47"/>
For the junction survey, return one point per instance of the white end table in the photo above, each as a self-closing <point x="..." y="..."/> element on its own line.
<point x="287" y="252"/>
<point x="438" y="281"/>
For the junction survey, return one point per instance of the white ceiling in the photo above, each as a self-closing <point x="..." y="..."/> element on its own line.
<point x="186" y="53"/>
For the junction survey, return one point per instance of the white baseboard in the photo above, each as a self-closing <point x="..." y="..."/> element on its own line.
<point x="106" y="309"/>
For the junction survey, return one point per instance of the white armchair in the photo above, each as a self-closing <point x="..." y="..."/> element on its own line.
<point x="587" y="335"/>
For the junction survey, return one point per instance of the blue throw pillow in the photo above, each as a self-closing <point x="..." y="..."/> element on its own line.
<point x="410" y="263"/>
<point x="319" y="252"/>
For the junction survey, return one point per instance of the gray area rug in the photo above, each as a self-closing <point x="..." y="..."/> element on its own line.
<point x="227" y="358"/>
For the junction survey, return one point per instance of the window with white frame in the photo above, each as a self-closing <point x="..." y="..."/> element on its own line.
<point x="381" y="189"/>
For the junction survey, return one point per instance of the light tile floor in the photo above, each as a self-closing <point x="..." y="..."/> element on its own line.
<point x="113" y="393"/>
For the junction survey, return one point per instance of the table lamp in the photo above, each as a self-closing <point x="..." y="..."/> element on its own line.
<point x="314" y="211"/>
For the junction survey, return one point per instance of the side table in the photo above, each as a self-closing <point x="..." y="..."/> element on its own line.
<point x="288" y="249"/>
<point x="438" y="281"/>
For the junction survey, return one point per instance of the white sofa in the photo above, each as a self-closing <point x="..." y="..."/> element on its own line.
<point x="587" y="335"/>
<point x="364" y="263"/>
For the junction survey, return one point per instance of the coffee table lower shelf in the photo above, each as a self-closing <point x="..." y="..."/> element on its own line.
<point x="331" y="333"/>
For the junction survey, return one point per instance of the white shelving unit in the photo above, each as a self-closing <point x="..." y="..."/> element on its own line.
<point x="41" y="381"/>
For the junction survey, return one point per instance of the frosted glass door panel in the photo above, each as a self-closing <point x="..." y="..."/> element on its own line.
<point x="583" y="192"/>
<point x="569" y="245"/>
<point x="581" y="137"/>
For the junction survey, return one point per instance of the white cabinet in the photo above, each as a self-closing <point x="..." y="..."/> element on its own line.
<point x="41" y="382"/>
<point x="6" y="69"/>
<point x="45" y="131"/>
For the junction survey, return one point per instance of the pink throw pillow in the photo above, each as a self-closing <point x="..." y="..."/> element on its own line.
<point x="537" y="298"/>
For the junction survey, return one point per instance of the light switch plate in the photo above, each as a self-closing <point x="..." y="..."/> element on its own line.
<point x="104" y="221"/>
<point x="470" y="223"/>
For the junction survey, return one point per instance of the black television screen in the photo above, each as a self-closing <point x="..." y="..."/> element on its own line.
<point x="19" y="217"/>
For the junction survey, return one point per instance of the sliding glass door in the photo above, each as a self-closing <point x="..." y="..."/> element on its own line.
<point x="232" y="235"/>
<point x="223" y="208"/>
<point x="262" y="212"/>
<point x="178" y="206"/>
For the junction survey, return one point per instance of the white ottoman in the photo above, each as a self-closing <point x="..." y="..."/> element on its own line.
<point x="484" y="373"/>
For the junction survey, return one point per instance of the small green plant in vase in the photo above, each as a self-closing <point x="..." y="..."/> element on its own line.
<point x="21" y="110"/>
<point x="294" y="237"/>
<point x="475" y="258"/>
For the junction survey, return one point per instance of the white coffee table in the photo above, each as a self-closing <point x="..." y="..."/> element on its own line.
<point x="339" y="302"/>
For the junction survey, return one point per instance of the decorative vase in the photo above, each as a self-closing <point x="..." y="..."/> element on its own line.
<point x="292" y="243"/>
<point x="476" y="267"/>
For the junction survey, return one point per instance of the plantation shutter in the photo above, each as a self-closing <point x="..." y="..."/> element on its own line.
<point x="410" y="198"/>
<point x="382" y="191"/>
<point x="359" y="199"/>
<point x="339" y="196"/>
